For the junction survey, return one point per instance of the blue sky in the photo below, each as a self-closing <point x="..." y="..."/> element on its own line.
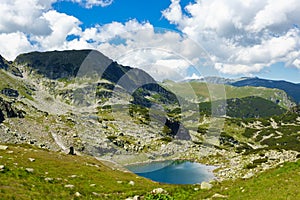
<point x="120" y="11"/>
<point x="234" y="37"/>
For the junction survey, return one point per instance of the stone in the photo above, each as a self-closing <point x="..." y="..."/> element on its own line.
<point x="77" y="194"/>
<point x="158" y="191"/>
<point x="219" y="196"/>
<point x="31" y="159"/>
<point x="248" y="175"/>
<point x="120" y="182"/>
<point x="2" y="167"/>
<point x="69" y="186"/>
<point x="136" y="197"/>
<point x="10" y="92"/>
<point x="48" y="179"/>
<point x="3" y="147"/>
<point x="206" y="186"/>
<point x="29" y="170"/>
<point x="95" y="193"/>
<point x="92" y="185"/>
<point x="72" y="151"/>
<point x="131" y="183"/>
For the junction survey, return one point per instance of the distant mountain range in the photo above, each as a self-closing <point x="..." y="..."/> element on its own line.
<point x="292" y="89"/>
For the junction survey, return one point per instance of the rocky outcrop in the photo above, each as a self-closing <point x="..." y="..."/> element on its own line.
<point x="7" y="110"/>
<point x="10" y="92"/>
<point x="3" y="63"/>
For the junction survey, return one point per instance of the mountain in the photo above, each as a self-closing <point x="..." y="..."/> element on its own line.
<point x="3" y="63"/>
<point x="196" y="91"/>
<point x="248" y="107"/>
<point x="60" y="65"/>
<point x="85" y="102"/>
<point x="212" y="79"/>
<point x="292" y="89"/>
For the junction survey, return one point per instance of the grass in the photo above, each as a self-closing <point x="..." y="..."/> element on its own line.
<point x="197" y="89"/>
<point x="93" y="180"/>
<point x="9" y="82"/>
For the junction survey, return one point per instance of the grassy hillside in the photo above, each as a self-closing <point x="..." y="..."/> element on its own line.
<point x="248" y="107"/>
<point x="32" y="173"/>
<point x="9" y="82"/>
<point x="200" y="90"/>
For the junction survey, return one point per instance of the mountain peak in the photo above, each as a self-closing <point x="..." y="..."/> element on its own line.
<point x="63" y="64"/>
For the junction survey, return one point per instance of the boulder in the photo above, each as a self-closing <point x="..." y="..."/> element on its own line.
<point x="206" y="186"/>
<point x="3" y="147"/>
<point x="10" y="92"/>
<point x="158" y="191"/>
<point x="131" y="183"/>
<point x="29" y="170"/>
<point x="219" y="196"/>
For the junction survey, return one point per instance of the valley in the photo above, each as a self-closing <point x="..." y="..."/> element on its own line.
<point x="51" y="101"/>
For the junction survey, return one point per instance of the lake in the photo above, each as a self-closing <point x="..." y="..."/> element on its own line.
<point x="174" y="172"/>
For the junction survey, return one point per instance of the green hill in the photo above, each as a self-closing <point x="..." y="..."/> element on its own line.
<point x="190" y="90"/>
<point x="248" y="107"/>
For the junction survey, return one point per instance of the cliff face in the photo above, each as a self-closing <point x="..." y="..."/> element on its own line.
<point x="7" y="110"/>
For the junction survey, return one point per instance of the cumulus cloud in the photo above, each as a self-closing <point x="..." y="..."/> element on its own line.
<point x="91" y="3"/>
<point x="61" y="26"/>
<point x="24" y="16"/>
<point x="163" y="53"/>
<point x="14" y="43"/>
<point x="242" y="36"/>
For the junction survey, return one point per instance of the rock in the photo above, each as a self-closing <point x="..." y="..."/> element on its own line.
<point x="69" y="186"/>
<point x="73" y="176"/>
<point x="95" y="193"/>
<point x="3" y="147"/>
<point x="120" y="182"/>
<point x="219" y="196"/>
<point x="248" y="175"/>
<point x="2" y="167"/>
<point x="31" y="159"/>
<point x="131" y="183"/>
<point x="196" y="189"/>
<point x="29" y="170"/>
<point x="10" y="92"/>
<point x="10" y="152"/>
<point x="136" y="197"/>
<point x="77" y="194"/>
<point x="206" y="186"/>
<point x="92" y="185"/>
<point x="48" y="179"/>
<point x="158" y="191"/>
<point x="72" y="151"/>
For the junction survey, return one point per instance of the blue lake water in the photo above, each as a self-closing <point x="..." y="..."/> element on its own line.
<point x="174" y="172"/>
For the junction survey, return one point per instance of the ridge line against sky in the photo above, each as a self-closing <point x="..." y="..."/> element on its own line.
<point x="241" y="37"/>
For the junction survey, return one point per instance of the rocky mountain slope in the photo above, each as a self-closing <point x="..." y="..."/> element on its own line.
<point x="82" y="99"/>
<point x="291" y="89"/>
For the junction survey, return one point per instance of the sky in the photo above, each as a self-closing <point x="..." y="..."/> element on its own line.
<point x="170" y="39"/>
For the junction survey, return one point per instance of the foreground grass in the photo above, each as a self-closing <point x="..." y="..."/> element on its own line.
<point x="60" y="176"/>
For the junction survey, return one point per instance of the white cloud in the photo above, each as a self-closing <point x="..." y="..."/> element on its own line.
<point x="162" y="53"/>
<point x="13" y="44"/>
<point x="91" y="3"/>
<point x="61" y="26"/>
<point x="24" y="16"/>
<point x="242" y="36"/>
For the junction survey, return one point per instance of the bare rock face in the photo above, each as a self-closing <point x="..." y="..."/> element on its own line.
<point x="7" y="110"/>
<point x="10" y="92"/>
